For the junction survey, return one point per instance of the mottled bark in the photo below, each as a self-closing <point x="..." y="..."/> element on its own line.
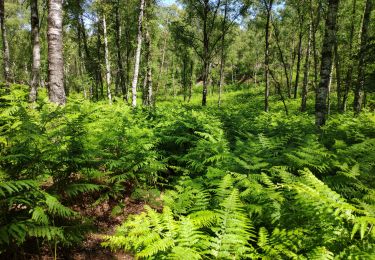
<point x="6" y="55"/>
<point x="359" y="90"/>
<point x="305" y="87"/>
<point x="137" y="54"/>
<point x="56" y="89"/>
<point x="148" y="86"/>
<point x="35" y="73"/>
<point x="321" y="108"/>
<point x="107" y="62"/>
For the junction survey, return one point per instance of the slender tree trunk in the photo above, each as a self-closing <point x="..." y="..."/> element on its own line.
<point x="267" y="55"/>
<point x="56" y="89"/>
<point x="359" y="90"/>
<point x="285" y="65"/>
<point x="291" y="69"/>
<point x="99" y="61"/>
<point x="338" y="76"/>
<point x="321" y="109"/>
<point x="314" y="42"/>
<point x="107" y="62"/>
<point x="191" y="80"/>
<point x="120" y="73"/>
<point x="137" y="54"/>
<point x="206" y="55"/>
<point x="305" y="89"/>
<point x="6" y="55"/>
<point x="161" y="69"/>
<point x="349" y="74"/>
<point x="278" y="89"/>
<point x="222" y="54"/>
<point x="148" y="85"/>
<point x="299" y="56"/>
<point x="35" y="77"/>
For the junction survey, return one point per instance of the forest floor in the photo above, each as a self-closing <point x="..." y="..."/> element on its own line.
<point x="105" y="222"/>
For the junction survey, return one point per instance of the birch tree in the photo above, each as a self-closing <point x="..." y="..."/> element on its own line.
<point x="321" y="106"/>
<point x="56" y="89"/>
<point x="137" y="54"/>
<point x="35" y="43"/>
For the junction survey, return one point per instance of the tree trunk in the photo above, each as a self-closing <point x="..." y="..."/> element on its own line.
<point x="359" y="90"/>
<point x="285" y="65"/>
<point x="349" y="74"/>
<point x="222" y="54"/>
<point x="120" y="73"/>
<point x="329" y="39"/>
<point x="316" y="23"/>
<point x="137" y="54"/>
<point x="299" y="56"/>
<point x="206" y="58"/>
<point x="161" y="69"/>
<point x="35" y="77"/>
<point x="267" y="55"/>
<point x="338" y="76"/>
<point x="56" y="89"/>
<point x="107" y="62"/>
<point x="305" y="89"/>
<point x="148" y="85"/>
<point x="6" y="55"/>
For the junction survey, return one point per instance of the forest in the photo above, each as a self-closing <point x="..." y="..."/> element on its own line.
<point x="187" y="129"/>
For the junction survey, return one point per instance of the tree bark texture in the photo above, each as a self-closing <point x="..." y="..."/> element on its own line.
<point x="35" y="43"/>
<point x="305" y="87"/>
<point x="107" y="62"/>
<point x="321" y="108"/>
<point x="56" y="89"/>
<point x="137" y="54"/>
<point x="360" y="86"/>
<point x="6" y="55"/>
<point x="349" y="73"/>
<point x="120" y="72"/>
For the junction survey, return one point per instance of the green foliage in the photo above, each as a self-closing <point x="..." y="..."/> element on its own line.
<point x="228" y="184"/>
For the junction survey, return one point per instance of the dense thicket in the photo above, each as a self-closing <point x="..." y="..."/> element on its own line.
<point x="245" y="128"/>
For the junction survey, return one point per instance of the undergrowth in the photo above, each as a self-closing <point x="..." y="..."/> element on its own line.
<point x="235" y="183"/>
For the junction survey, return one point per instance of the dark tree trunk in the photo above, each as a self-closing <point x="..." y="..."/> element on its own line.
<point x="206" y="58"/>
<point x="321" y="109"/>
<point x="359" y="90"/>
<point x="268" y="6"/>
<point x="305" y="89"/>
<point x="299" y="56"/>
<point x="316" y="22"/>
<point x="56" y="89"/>
<point x="6" y="55"/>
<point x="35" y="73"/>
<point x="338" y="76"/>
<point x="282" y="58"/>
<point x="349" y="74"/>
